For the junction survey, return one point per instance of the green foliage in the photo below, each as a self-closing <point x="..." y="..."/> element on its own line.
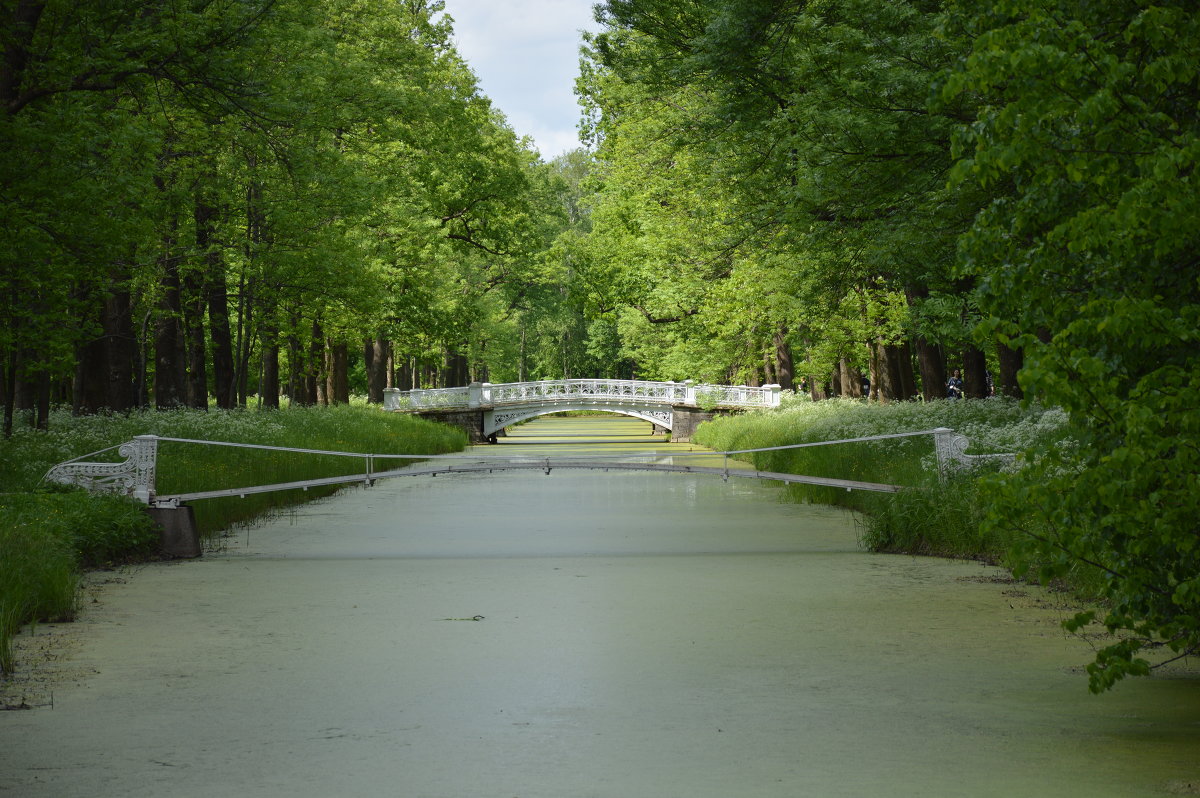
<point x="938" y="519"/>
<point x="1089" y="139"/>
<point x="774" y="169"/>
<point x="40" y="580"/>
<point x="100" y="530"/>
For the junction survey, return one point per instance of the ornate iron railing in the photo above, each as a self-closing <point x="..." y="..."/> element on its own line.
<point x="598" y="390"/>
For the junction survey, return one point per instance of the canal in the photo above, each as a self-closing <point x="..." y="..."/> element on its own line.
<point x="581" y="633"/>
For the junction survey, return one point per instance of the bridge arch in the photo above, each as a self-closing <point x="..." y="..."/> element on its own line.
<point x="498" y="419"/>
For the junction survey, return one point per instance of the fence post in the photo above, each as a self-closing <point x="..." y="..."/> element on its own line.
<point x="949" y="448"/>
<point x="773" y="395"/>
<point x="689" y="392"/>
<point x="391" y="398"/>
<point x="144" y="456"/>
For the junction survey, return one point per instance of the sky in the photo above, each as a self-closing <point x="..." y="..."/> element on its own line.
<point x="526" y="56"/>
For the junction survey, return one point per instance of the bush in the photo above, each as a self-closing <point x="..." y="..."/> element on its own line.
<point x="942" y="519"/>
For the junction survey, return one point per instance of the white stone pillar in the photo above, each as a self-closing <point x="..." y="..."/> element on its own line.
<point x="475" y="394"/>
<point x="773" y="397"/>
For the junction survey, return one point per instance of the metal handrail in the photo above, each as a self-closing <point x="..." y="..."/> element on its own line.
<point x="136" y="475"/>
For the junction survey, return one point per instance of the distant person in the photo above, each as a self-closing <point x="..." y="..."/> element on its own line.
<point x="954" y="385"/>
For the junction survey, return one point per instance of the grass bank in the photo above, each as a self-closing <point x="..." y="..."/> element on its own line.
<point x="931" y="517"/>
<point x="49" y="534"/>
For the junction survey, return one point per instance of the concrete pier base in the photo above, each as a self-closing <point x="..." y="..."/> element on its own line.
<point x="685" y="420"/>
<point x="177" y="530"/>
<point x="469" y="420"/>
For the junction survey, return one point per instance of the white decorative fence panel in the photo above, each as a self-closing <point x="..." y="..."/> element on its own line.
<point x="597" y="390"/>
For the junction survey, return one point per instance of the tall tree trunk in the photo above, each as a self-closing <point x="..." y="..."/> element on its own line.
<point x="42" y="399"/>
<point x="850" y="378"/>
<point x="896" y="372"/>
<point x="299" y="369"/>
<point x="404" y="375"/>
<point x="193" y="322"/>
<point x="145" y="354"/>
<point x="455" y="369"/>
<point x="931" y="361"/>
<point x="754" y="377"/>
<point x="875" y="367"/>
<point x="11" y="364"/>
<point x="121" y="350"/>
<point x="268" y="389"/>
<point x="376" y="353"/>
<point x="785" y="369"/>
<point x="884" y="385"/>
<point x="932" y="365"/>
<point x="1011" y="361"/>
<point x="974" y="373"/>
<point x="224" y="373"/>
<point x="339" y="377"/>
<point x="169" y="386"/>
<point x="256" y="222"/>
<point x="245" y="340"/>
<point x="217" y="295"/>
<point x="769" y="377"/>
<point x="25" y="394"/>
<point x="313" y="380"/>
<point x="908" y="379"/>
<point x="90" y="392"/>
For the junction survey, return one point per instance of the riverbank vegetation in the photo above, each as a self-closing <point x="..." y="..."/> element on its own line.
<point x="49" y="533"/>
<point x="933" y="515"/>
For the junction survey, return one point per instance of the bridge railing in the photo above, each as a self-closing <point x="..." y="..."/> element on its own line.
<point x="135" y="477"/>
<point x="485" y="394"/>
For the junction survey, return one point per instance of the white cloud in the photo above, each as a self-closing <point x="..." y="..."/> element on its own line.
<point x="526" y="56"/>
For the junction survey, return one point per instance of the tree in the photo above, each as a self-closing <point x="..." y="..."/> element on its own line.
<point x="234" y="195"/>
<point x="813" y="119"/>
<point x="1088" y="138"/>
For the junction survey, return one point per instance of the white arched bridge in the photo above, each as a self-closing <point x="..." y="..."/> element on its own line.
<point x="484" y="409"/>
